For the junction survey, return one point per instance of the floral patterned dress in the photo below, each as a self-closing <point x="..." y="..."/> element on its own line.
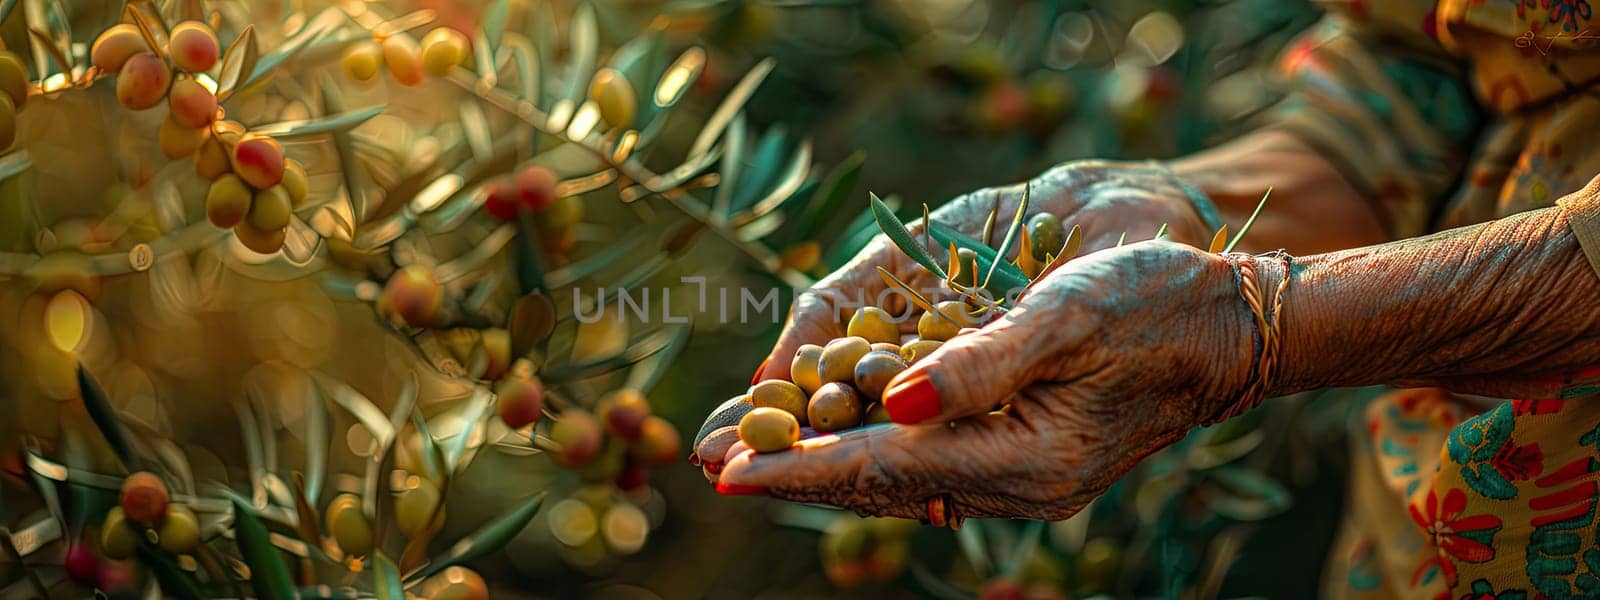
<point x="1450" y="113"/>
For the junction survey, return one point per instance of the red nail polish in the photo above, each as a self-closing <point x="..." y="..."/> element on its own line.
<point x="694" y="458"/>
<point x="913" y="401"/>
<point x="734" y="489"/>
<point x="759" y="370"/>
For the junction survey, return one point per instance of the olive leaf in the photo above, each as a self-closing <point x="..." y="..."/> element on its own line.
<point x="311" y="31"/>
<point x="988" y="225"/>
<point x="1248" y="222"/>
<point x="857" y="233"/>
<point x="44" y="40"/>
<point x="1022" y="554"/>
<point x="830" y="195"/>
<point x="364" y="411"/>
<point x="780" y="187"/>
<point x="475" y="128"/>
<point x="433" y="460"/>
<point x="761" y="167"/>
<point x="269" y="577"/>
<point x="132" y="12"/>
<point x="288" y="130"/>
<point x="476" y="409"/>
<point x="239" y="60"/>
<point x="1219" y="241"/>
<point x="641" y="60"/>
<point x="1011" y="234"/>
<point x="676" y="79"/>
<point x="317" y="436"/>
<point x="1006" y="277"/>
<point x="494" y="21"/>
<point x="1160" y="232"/>
<point x="525" y="57"/>
<point x="474" y="259"/>
<point x="916" y="298"/>
<point x="483" y="55"/>
<point x="647" y="373"/>
<point x="310" y="530"/>
<point x="973" y="547"/>
<point x="637" y="350"/>
<point x="1025" y="260"/>
<point x="585" y="41"/>
<point x="732" y="168"/>
<point x="386" y="578"/>
<point x="731" y="105"/>
<point x="1121" y="239"/>
<point x="896" y="230"/>
<point x="173" y="581"/>
<point x="1244" y="495"/>
<point x="1073" y="243"/>
<point x="349" y="167"/>
<point x="492" y="536"/>
<point x="104" y="416"/>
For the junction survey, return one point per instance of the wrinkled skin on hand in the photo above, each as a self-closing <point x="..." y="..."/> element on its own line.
<point x="1107" y="359"/>
<point x="1104" y="198"/>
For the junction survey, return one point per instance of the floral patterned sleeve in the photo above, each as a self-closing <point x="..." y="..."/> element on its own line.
<point x="1372" y="88"/>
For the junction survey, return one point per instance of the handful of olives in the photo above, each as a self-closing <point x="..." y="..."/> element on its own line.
<point x="837" y="386"/>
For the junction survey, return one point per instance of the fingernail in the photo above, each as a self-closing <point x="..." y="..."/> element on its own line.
<point x="713" y="468"/>
<point x="759" y="370"/>
<point x="694" y="458"/>
<point x="913" y="401"/>
<point x="735" y="489"/>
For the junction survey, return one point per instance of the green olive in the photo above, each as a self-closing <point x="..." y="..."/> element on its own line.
<point x="179" y="533"/>
<point x="416" y="504"/>
<point x="886" y="347"/>
<point x="769" y="429"/>
<point x="348" y="524"/>
<point x="118" y="538"/>
<point x="578" y="435"/>
<point x="1047" y="235"/>
<point x="658" y="443"/>
<point x="271" y="209"/>
<point x="835" y="406"/>
<point x="839" y="357"/>
<point x="918" y="349"/>
<point x="455" y="583"/>
<point x="726" y="414"/>
<point x="875" y="325"/>
<point x="776" y="393"/>
<point x="874" y="371"/>
<point x="944" y="321"/>
<point x="227" y="201"/>
<point x="876" y="413"/>
<point x="803" y="370"/>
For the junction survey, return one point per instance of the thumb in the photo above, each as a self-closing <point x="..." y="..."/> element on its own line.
<point x="968" y="375"/>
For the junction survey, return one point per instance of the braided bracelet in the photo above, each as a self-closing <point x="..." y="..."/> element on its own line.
<point x="1267" y="329"/>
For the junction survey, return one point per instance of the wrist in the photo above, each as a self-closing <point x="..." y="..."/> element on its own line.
<point x="1260" y="284"/>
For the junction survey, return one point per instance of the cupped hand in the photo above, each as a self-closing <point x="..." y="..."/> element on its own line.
<point x="1106" y="199"/>
<point x="1107" y="359"/>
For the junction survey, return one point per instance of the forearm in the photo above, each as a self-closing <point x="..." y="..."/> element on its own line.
<point x="1312" y="208"/>
<point x="1505" y="308"/>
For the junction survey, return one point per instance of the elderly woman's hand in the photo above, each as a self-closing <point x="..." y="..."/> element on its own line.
<point x="1105" y="360"/>
<point x="1107" y="199"/>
